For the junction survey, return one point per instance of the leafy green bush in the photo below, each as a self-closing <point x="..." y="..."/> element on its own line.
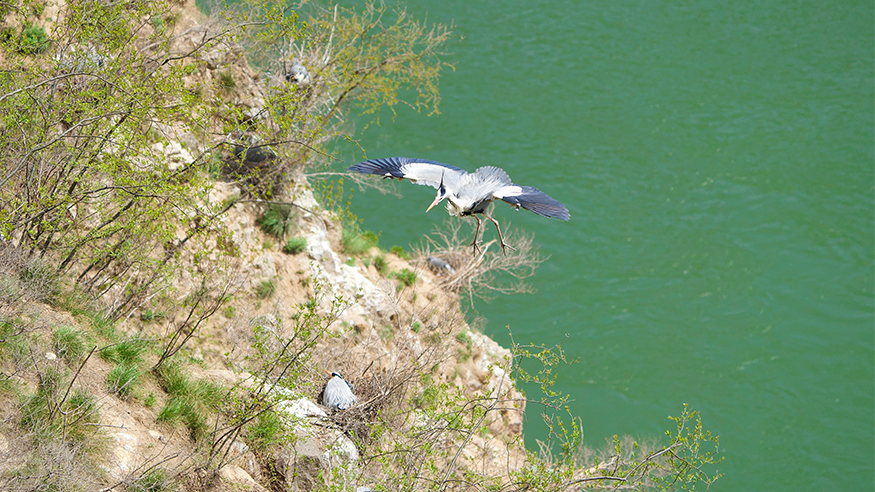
<point x="7" y="34"/>
<point x="463" y="337"/>
<point x="37" y="8"/>
<point x="33" y="40"/>
<point x="295" y="245"/>
<point x="157" y="23"/>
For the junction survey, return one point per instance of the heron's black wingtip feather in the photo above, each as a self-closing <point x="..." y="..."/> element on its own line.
<point x="393" y="166"/>
<point x="535" y="200"/>
<point x="389" y="165"/>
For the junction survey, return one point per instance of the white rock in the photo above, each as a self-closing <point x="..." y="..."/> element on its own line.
<point x="302" y="408"/>
<point x="235" y="475"/>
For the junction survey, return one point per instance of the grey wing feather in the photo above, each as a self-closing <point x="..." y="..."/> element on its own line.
<point x="534" y="200"/>
<point x="483" y="183"/>
<point x="419" y="171"/>
<point x="338" y="394"/>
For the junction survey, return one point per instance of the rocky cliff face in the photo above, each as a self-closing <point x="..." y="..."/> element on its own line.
<point x="383" y="330"/>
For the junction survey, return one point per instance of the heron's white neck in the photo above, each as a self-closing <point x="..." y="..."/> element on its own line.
<point x="454" y="208"/>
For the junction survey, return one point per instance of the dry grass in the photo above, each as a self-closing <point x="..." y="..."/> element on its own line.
<point x="488" y="273"/>
<point x="24" y="277"/>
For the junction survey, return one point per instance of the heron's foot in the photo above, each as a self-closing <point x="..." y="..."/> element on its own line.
<point x="505" y="247"/>
<point x="476" y="246"/>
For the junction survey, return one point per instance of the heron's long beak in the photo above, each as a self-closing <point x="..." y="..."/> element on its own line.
<point x="440" y="195"/>
<point x="326" y="372"/>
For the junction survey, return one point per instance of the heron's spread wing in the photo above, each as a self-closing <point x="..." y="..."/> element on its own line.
<point x="481" y="185"/>
<point x="534" y="200"/>
<point x="419" y="171"/>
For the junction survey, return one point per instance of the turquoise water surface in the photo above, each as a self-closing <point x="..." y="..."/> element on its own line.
<point x="717" y="160"/>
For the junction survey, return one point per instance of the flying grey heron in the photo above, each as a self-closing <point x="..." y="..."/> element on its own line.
<point x="466" y="193"/>
<point x="337" y="394"/>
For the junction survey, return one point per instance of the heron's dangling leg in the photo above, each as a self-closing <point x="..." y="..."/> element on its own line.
<point x="476" y="233"/>
<point x="504" y="246"/>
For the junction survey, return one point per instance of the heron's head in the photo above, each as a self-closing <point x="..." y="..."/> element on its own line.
<point x="441" y="194"/>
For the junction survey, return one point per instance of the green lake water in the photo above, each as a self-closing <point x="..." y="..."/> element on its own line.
<point x="717" y="160"/>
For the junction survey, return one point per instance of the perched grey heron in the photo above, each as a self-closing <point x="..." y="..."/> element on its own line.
<point x="254" y="153"/>
<point x="337" y="394"/>
<point x="249" y="148"/>
<point x="298" y="74"/>
<point x="466" y="193"/>
<point x="439" y="264"/>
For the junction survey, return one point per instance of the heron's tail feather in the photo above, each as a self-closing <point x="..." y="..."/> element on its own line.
<point x="537" y="201"/>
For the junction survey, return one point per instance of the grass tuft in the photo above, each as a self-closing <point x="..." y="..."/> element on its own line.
<point x="155" y="480"/>
<point x="122" y="379"/>
<point x="129" y="352"/>
<point x="353" y="242"/>
<point x="148" y="315"/>
<point x="47" y="414"/>
<point x="265" y="289"/>
<point x="68" y="343"/>
<point x="190" y="402"/>
<point x="267" y="431"/>
<point x="406" y="277"/>
<point x="399" y="252"/>
<point x="275" y="220"/>
<point x="295" y="245"/>
<point x="381" y="265"/>
<point x="226" y="80"/>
